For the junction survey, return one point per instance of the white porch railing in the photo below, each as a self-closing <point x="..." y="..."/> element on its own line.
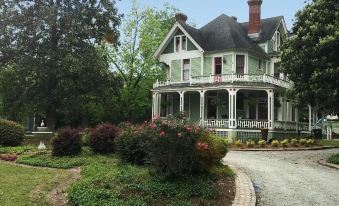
<point x="243" y="123"/>
<point x="215" y="123"/>
<point x="261" y="78"/>
<point x="289" y="125"/>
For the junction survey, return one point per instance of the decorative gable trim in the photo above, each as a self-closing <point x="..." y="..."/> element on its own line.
<point x="169" y="36"/>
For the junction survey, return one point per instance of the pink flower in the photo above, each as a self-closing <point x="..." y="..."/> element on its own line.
<point x="152" y="126"/>
<point x="189" y="129"/>
<point x="179" y="134"/>
<point x="156" y="117"/>
<point x="162" y="133"/>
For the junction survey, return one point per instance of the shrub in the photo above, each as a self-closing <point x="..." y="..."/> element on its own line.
<point x="262" y="143"/>
<point x="250" y="143"/>
<point x="11" y="133"/>
<point x="179" y="149"/>
<point x="303" y="141"/>
<point x="334" y="159"/>
<point x="310" y="142"/>
<point x="85" y="135"/>
<point x="275" y="143"/>
<point x="238" y="143"/>
<point x="284" y="143"/>
<point x="102" y="138"/>
<point x="294" y="142"/>
<point x="67" y="142"/>
<point x="132" y="145"/>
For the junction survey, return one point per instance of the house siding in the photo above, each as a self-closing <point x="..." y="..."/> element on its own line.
<point x="190" y="45"/>
<point x="196" y="67"/>
<point x="253" y="66"/>
<point x="207" y="66"/>
<point x="227" y="67"/>
<point x="176" y="70"/>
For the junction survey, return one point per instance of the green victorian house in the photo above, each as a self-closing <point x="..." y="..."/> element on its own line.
<point x="226" y="76"/>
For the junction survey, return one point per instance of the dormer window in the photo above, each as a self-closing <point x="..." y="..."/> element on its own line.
<point x="276" y="41"/>
<point x="180" y="43"/>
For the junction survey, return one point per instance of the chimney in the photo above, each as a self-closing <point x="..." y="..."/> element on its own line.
<point x="254" y="17"/>
<point x="181" y="18"/>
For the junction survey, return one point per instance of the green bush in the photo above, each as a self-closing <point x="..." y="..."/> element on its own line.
<point x="310" y="142"/>
<point x="132" y="145"/>
<point x="303" y="141"/>
<point x="334" y="159"/>
<point x="275" y="143"/>
<point x="180" y="149"/>
<point x="102" y="138"/>
<point x="11" y="133"/>
<point x="67" y="142"/>
<point x="238" y="143"/>
<point x="85" y="135"/>
<point x="250" y="143"/>
<point x="294" y="142"/>
<point x="262" y="143"/>
<point x="284" y="143"/>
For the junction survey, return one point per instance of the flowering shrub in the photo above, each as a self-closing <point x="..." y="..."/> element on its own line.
<point x="250" y="143"/>
<point x="173" y="149"/>
<point x="303" y="141"/>
<point x="132" y="145"/>
<point x="238" y="143"/>
<point x="310" y="142"/>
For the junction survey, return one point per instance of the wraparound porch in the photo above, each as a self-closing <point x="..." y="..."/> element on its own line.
<point x="230" y="108"/>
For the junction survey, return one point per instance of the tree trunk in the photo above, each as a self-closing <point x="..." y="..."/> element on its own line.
<point x="51" y="118"/>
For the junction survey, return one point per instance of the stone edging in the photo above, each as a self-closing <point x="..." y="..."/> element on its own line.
<point x="327" y="164"/>
<point x="244" y="190"/>
<point x="285" y="149"/>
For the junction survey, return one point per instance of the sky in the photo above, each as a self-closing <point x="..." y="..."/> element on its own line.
<point x="201" y="12"/>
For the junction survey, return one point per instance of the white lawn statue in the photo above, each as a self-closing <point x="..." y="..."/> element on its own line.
<point x="42" y="123"/>
<point x="42" y="145"/>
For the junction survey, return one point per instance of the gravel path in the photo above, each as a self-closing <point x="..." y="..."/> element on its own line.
<point x="290" y="178"/>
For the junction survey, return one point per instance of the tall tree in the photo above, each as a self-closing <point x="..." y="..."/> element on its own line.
<point x="143" y="30"/>
<point x="50" y="53"/>
<point x="310" y="55"/>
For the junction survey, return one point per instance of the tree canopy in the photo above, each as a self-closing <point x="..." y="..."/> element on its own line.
<point x="51" y="57"/>
<point x="310" y="55"/>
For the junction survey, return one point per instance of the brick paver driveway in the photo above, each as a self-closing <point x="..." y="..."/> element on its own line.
<point x="290" y="178"/>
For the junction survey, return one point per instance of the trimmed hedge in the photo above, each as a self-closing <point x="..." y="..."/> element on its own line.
<point x="11" y="133"/>
<point x="102" y="138"/>
<point x="67" y="142"/>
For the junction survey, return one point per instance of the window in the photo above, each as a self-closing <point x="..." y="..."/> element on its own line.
<point x="217" y="65"/>
<point x="186" y="70"/>
<point x="276" y="41"/>
<point x="240" y="64"/>
<point x="276" y="70"/>
<point x="180" y="43"/>
<point x="177" y="43"/>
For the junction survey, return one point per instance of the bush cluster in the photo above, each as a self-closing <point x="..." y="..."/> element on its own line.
<point x="102" y="137"/>
<point x="11" y="133"/>
<point x="66" y="142"/>
<point x="171" y="149"/>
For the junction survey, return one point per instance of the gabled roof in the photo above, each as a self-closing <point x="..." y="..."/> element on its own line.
<point x="268" y="27"/>
<point x="224" y="33"/>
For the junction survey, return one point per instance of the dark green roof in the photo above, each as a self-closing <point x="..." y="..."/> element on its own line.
<point x="225" y="33"/>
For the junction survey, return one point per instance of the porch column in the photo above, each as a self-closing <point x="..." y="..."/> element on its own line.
<point x="309" y="118"/>
<point x="202" y="105"/>
<point x="232" y="107"/>
<point x="270" y="109"/>
<point x="154" y="104"/>
<point x="181" y="108"/>
<point x="296" y="115"/>
<point x="159" y="104"/>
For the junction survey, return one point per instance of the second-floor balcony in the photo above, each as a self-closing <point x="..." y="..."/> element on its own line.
<point x="231" y="78"/>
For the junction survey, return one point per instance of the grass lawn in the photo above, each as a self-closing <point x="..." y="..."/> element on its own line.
<point x="27" y="186"/>
<point x="334" y="159"/>
<point x="106" y="181"/>
<point x="334" y="143"/>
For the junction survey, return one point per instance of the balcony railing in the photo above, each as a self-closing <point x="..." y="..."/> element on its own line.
<point x="230" y="78"/>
